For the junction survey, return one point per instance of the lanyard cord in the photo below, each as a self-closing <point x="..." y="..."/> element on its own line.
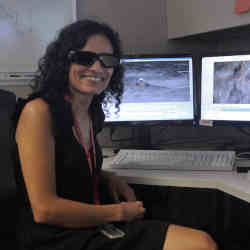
<point x="80" y="138"/>
<point x="95" y="178"/>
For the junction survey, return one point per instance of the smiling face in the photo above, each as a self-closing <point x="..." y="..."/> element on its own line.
<point x="91" y="80"/>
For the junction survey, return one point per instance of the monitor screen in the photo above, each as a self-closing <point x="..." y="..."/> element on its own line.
<point x="156" y="89"/>
<point x="225" y="88"/>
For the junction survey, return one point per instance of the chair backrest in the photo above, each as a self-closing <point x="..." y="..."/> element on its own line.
<point x="8" y="194"/>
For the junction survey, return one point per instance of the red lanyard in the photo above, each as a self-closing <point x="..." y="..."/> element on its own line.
<point x="80" y="139"/>
<point x="92" y="168"/>
<point x="95" y="177"/>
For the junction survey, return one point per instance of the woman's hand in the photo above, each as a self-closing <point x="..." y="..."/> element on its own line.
<point x="118" y="187"/>
<point x="132" y="210"/>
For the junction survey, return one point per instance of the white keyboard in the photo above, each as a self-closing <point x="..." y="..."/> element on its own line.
<point x="174" y="160"/>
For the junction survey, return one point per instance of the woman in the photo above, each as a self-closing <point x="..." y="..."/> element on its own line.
<point x="58" y="168"/>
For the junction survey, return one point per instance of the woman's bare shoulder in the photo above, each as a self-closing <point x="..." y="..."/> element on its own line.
<point x="35" y="114"/>
<point x="35" y="107"/>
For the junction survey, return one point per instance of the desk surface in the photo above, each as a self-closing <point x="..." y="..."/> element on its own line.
<point x="233" y="183"/>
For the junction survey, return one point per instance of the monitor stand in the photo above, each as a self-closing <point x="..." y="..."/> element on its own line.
<point x="142" y="137"/>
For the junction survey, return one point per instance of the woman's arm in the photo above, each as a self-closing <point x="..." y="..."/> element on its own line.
<point x="36" y="151"/>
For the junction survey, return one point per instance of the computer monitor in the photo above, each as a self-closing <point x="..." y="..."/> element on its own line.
<point x="156" y="89"/>
<point x="225" y="88"/>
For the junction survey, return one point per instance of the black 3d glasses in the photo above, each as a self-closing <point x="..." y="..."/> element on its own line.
<point x="87" y="58"/>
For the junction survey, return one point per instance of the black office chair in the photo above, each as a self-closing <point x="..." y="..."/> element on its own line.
<point x="8" y="194"/>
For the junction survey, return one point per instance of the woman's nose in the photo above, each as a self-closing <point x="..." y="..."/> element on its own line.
<point x="97" y="66"/>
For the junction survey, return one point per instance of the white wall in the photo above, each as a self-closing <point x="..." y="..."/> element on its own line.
<point x="141" y="23"/>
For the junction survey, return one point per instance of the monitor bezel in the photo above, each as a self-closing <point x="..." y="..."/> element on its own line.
<point x="219" y="54"/>
<point x="189" y="122"/>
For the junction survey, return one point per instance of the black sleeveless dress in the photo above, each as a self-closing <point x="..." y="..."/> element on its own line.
<point x="73" y="181"/>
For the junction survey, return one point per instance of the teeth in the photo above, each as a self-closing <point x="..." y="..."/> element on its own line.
<point x="93" y="78"/>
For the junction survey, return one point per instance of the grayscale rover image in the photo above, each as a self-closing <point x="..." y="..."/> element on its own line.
<point x="232" y="82"/>
<point x="159" y="81"/>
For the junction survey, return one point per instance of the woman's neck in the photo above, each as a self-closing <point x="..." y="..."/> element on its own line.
<point x="80" y="105"/>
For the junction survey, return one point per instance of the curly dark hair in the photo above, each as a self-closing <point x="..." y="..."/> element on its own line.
<point x="52" y="77"/>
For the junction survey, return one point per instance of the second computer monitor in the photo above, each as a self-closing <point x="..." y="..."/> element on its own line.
<point x="225" y="88"/>
<point x="156" y="89"/>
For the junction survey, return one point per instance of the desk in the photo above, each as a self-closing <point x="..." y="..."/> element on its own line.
<point x="217" y="202"/>
<point x="233" y="183"/>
